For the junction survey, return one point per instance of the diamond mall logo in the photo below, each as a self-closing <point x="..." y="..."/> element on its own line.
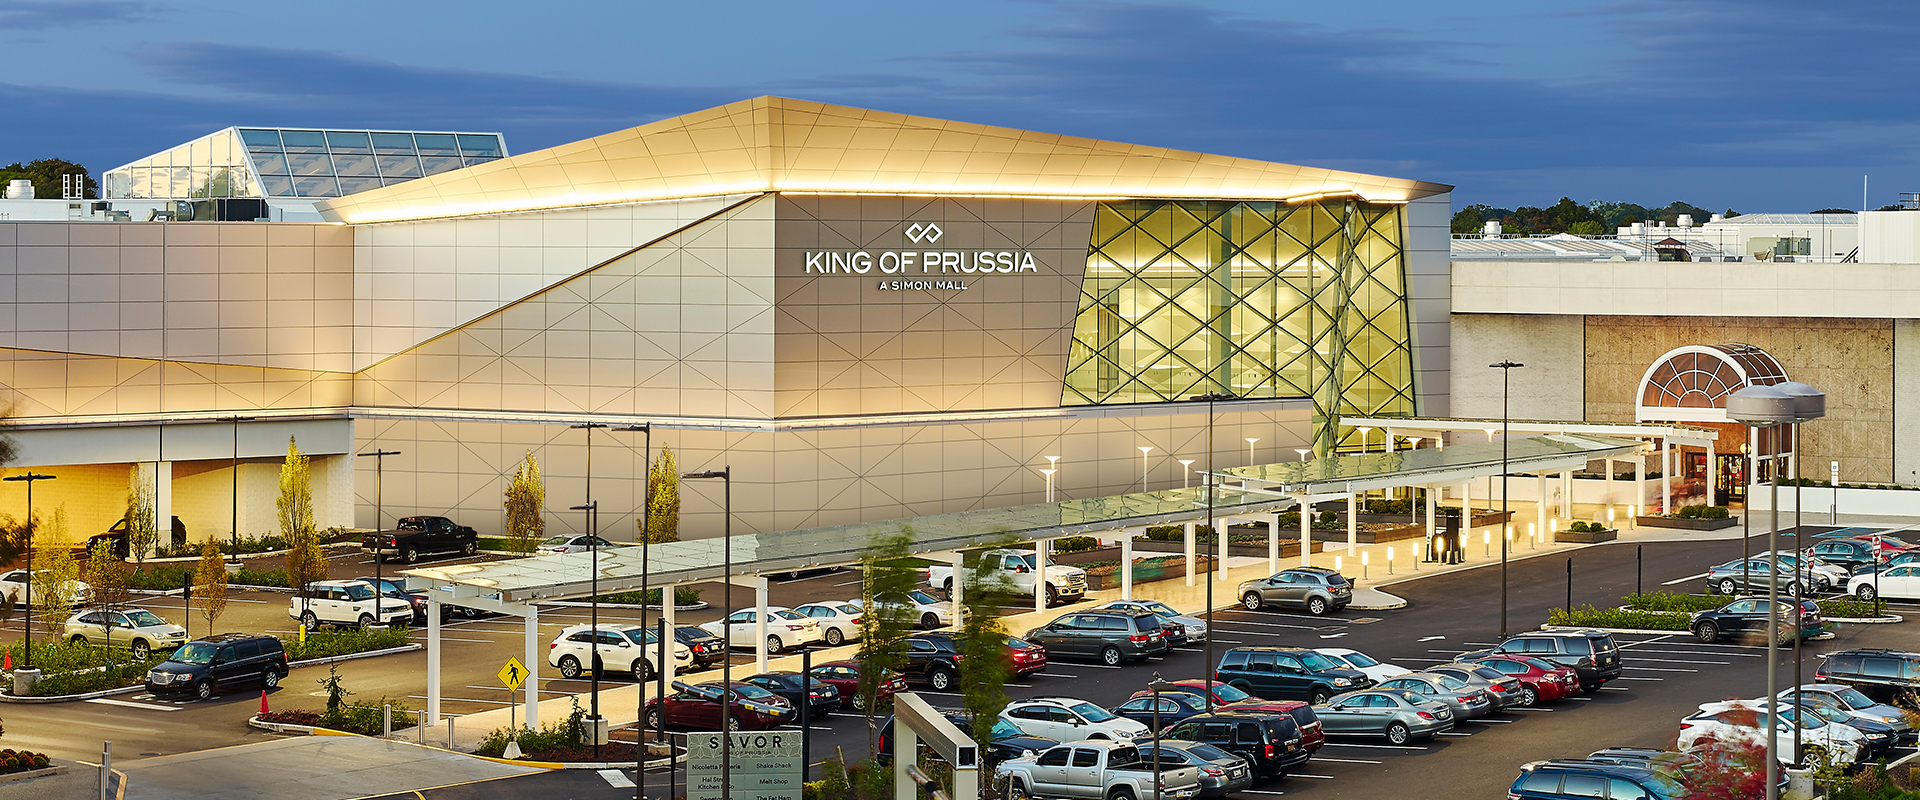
<point x="928" y="233"/>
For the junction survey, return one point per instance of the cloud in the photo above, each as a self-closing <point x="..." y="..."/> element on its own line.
<point x="31" y="15"/>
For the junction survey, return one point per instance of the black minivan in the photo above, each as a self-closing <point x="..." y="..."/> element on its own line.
<point x="1288" y="673"/>
<point x="1272" y="743"/>
<point x="203" y="666"/>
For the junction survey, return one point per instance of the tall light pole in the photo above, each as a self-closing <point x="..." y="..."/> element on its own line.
<point x="1506" y="428"/>
<point x="725" y="474"/>
<point x="1144" y="450"/>
<point x="30" y="477"/>
<point x="593" y="560"/>
<point x="1048" y="473"/>
<point x="1768" y="407"/>
<point x="379" y="513"/>
<point x="233" y="554"/>
<point x="646" y="573"/>
<point x="1186" y="474"/>
<point x="1809" y="404"/>
<point x="1219" y="538"/>
<point x="1250" y="443"/>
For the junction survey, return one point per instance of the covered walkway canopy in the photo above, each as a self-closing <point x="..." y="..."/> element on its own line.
<point x="1257" y="493"/>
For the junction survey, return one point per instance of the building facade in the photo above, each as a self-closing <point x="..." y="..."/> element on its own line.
<point x="866" y="315"/>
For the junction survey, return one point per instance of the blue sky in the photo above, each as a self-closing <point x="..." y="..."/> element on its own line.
<point x="1759" y="105"/>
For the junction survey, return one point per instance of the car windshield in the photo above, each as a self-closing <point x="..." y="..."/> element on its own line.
<point x="1162" y="609"/>
<point x="788" y="615"/>
<point x="1317" y="662"/>
<point x="555" y="540"/>
<point x="751" y="692"/>
<point x="847" y="608"/>
<point x="639" y="635"/>
<point x="1807" y="719"/>
<point x="1828" y="713"/>
<point x="1894" y="541"/>
<point x="144" y="619"/>
<point x="195" y="653"/>
<point x="1003" y="729"/>
<point x="922" y="598"/>
<point x="1229" y="694"/>
<point x="1018" y="643"/>
<point x="1854" y="699"/>
<point x="359" y="591"/>
<point x="1359" y="660"/>
<point x="1091" y="712"/>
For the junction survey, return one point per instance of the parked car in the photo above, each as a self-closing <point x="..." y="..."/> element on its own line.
<point x="1399" y="716"/>
<point x="1172" y="707"/>
<point x="1221" y="773"/>
<point x="707" y="648"/>
<point x="1025" y="657"/>
<point x="1223" y="692"/>
<point x="1317" y="589"/>
<point x="1070" y="719"/>
<point x="928" y="611"/>
<point x="785" y="628"/>
<point x="1680" y="766"/>
<point x="205" y="666"/>
<point x="1819" y="575"/>
<point x="1902" y="557"/>
<point x="1271" y="743"/>
<point x="575" y="543"/>
<point x="1880" y="737"/>
<point x="345" y="603"/>
<point x="1008" y="740"/>
<point x="625" y="646"/>
<point x="1568" y="780"/>
<point x="1016" y="569"/>
<point x="839" y="622"/>
<point x="698" y="707"/>
<point x="413" y="536"/>
<point x="1748" y="617"/>
<point x="1540" y="681"/>
<point x="1851" y="554"/>
<point x="1110" y="770"/>
<point x="1745" y="721"/>
<point x="1856" y="704"/>
<point x="1111" y="637"/>
<point x="844" y="676"/>
<point x="933" y="658"/>
<point x="1354" y="659"/>
<point x="137" y="629"/>
<point x="14" y="584"/>
<point x="1463" y="700"/>
<point x="1184" y="629"/>
<point x="1747" y="575"/>
<point x="1503" y="690"/>
<point x="1288" y="673"/>
<point x="116" y="537"/>
<point x="822" y="696"/>
<point x="1883" y="675"/>
<point x="1901" y="582"/>
<point x="1590" y="653"/>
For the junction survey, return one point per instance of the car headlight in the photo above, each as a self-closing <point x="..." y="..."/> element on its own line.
<point x="1342" y="682"/>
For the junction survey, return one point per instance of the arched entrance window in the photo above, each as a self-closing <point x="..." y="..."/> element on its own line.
<point x="1691" y="384"/>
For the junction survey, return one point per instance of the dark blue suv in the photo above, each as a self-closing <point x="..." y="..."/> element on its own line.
<point x="1585" y="780"/>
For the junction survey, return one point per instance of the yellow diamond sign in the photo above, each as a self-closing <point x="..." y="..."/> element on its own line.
<point x="513" y="674"/>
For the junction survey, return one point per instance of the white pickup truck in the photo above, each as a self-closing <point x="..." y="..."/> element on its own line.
<point x="344" y="603"/>
<point x="1095" y="770"/>
<point x="1017" y="567"/>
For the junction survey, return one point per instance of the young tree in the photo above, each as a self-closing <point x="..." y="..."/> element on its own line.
<point x="106" y="577"/>
<point x="142" y="531"/>
<point x="56" y="582"/>
<point x="663" y="499"/>
<point x="526" y="499"/>
<point x="296" y="495"/>
<point x="886" y="573"/>
<point x="305" y="562"/>
<point x="986" y="667"/>
<point x="210" y="582"/>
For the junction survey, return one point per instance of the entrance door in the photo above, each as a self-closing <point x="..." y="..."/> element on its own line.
<point x="1730" y="480"/>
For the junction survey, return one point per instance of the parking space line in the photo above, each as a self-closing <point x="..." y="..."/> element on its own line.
<point x="1261" y="791"/>
<point x="1054" y="675"/>
<point x="1702" y="653"/>
<point x="1539" y="710"/>
<point x="107" y="701"/>
<point x="1277" y="624"/>
<point x="616" y="778"/>
<point x="1625" y="678"/>
<point x="1306" y="775"/>
<point x="1495" y="721"/>
<point x="1616" y="688"/>
<point x="1347" y="760"/>
<point x="1684" y="580"/>
<point x="1677" y="661"/>
<point x="461" y="700"/>
<point x="1452" y="733"/>
<point x="1660" y="669"/>
<point x="1375" y="746"/>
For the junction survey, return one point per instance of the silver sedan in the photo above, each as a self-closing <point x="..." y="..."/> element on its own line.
<point x="1195" y="627"/>
<point x="1400" y="716"/>
<point x="1465" y="701"/>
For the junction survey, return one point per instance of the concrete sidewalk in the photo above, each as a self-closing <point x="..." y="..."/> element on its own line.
<point x="306" y="768"/>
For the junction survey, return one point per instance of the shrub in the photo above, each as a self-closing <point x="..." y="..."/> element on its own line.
<point x="1846" y="609"/>
<point x="1387" y="507"/>
<point x="1714" y="512"/>
<point x="1588" y="616"/>
<point x="1577" y="526"/>
<point x="326" y="643"/>
<point x="1329" y="518"/>
<point x="1670" y="601"/>
<point x="682" y="596"/>
<point x="569" y="732"/>
<point x="94" y="680"/>
<point x="1690" y="512"/>
<point x="367" y="720"/>
<point x="1076" y="544"/>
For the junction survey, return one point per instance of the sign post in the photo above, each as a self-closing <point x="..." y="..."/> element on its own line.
<point x="766" y="765"/>
<point x="513" y="675"/>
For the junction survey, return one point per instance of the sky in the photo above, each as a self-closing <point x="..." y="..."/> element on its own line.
<point x="1756" y="105"/>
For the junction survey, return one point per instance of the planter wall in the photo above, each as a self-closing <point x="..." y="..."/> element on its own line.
<point x="1145" y="573"/>
<point x="1363" y="536"/>
<point x="1289" y="546"/>
<point x="1587" y="537"/>
<point x="1585" y="490"/>
<point x="1687" y="524"/>
<point x="1819" y="500"/>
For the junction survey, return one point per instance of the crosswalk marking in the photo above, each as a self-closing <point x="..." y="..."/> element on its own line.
<point x="107" y="701"/>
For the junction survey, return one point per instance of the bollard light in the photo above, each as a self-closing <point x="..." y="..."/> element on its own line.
<point x="1609" y="516"/>
<point x="1389" y="559"/>
<point x="1486" y="542"/>
<point x="1336" y="563"/>
<point x="1363" y="564"/>
<point x="1633" y="516"/>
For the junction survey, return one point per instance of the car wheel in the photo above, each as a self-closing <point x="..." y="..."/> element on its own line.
<point x="941" y="679"/>
<point x="1529" y="696"/>
<point x="1706" y="632"/>
<point x="469" y="548"/>
<point x="270" y="679"/>
<point x="1398" y="733"/>
<point x="860" y="702"/>
<point x="733" y="722"/>
<point x="569" y="667"/>
<point x="947" y="587"/>
<point x="1317" y="696"/>
<point x="1053" y="595"/>
<point x="309" y="621"/>
<point x="930" y="621"/>
<point x="203" y="689"/>
<point x="653" y="719"/>
<point x="1317" y="606"/>
<point x="1251" y="601"/>
<point x="1727" y="586"/>
<point x="1865" y="592"/>
<point x="1110" y="656"/>
<point x="140" y="649"/>
<point x="642" y="669"/>
<point x="1120" y="793"/>
<point x="366" y="621"/>
<point x="774" y="645"/>
<point x="835" y="638"/>
<point x="1018" y="790"/>
<point x="410" y="555"/>
<point x="1813" y="754"/>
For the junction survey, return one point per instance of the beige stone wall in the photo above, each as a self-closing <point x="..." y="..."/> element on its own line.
<point x="1548" y="387"/>
<point x="1852" y="360"/>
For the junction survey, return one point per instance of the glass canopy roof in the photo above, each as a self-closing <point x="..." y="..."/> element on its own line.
<point x="293" y="162"/>
<point x="620" y="568"/>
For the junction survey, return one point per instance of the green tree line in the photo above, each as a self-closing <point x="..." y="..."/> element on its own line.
<point x="45" y="174"/>
<point x="1594" y="218"/>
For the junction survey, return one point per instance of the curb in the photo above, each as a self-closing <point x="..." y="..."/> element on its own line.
<point x="279" y="727"/>
<point x="321" y="662"/>
<point x="242" y="556"/>
<point x="633" y="606"/>
<point x="63" y="698"/>
<point x="1651" y="631"/>
<point x="55" y="769"/>
<point x="1886" y="620"/>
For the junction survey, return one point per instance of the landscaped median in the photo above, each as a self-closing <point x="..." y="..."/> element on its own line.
<point x="1666" y="611"/>
<point x="73" y="671"/>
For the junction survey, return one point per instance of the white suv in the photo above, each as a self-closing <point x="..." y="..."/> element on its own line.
<point x="634" y="648"/>
<point x="1744" y="720"/>
<point x="1068" y="719"/>
<point x="343" y="603"/>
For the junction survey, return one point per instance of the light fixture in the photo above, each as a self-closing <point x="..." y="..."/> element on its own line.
<point x="1186" y="473"/>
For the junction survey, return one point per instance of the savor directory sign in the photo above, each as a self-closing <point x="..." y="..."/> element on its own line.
<point x="765" y="766"/>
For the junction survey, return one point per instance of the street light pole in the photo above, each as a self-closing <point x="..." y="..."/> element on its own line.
<point x="1766" y="407"/>
<point x="379" y="513"/>
<point x="1809" y="404"/>
<point x="593" y="565"/>
<point x="1506" y="430"/>
<point x="233" y="554"/>
<point x="725" y="474"/>
<point x="1209" y="484"/>
<point x="30" y="477"/>
<point x="640" y="681"/>
<point x="1144" y="450"/>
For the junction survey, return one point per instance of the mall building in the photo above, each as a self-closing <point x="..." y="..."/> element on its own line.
<point x="866" y="315"/>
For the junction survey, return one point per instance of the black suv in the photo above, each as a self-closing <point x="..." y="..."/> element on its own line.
<point x="1590" y="653"/>
<point x="1288" y="673"/>
<point x="203" y="666"/>
<point x="1884" y="675"/>
<point x="707" y="648"/>
<point x="933" y="658"/>
<point x="1109" y="636"/>
<point x="1272" y="744"/>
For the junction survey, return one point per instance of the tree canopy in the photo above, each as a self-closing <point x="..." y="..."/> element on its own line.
<point x="45" y="174"/>
<point x="1595" y="217"/>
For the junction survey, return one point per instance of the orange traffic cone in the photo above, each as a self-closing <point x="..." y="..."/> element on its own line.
<point x="9" y="665"/>
<point x="263" y="701"/>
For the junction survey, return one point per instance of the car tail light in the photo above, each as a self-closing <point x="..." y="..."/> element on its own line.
<point x="1215" y="772"/>
<point x="1137" y="639"/>
<point x="1268" y="749"/>
<point x="553" y="645"/>
<point x="1424" y="715"/>
<point x="392" y="542"/>
<point x="856" y="621"/>
<point x="1685" y="725"/>
<point x="796" y="627"/>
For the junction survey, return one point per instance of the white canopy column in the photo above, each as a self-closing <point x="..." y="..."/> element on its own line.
<point x="1193" y="566"/>
<point x="1041" y="549"/>
<point x="958" y="595"/>
<point x="532" y="663"/>
<point x="1666" y="476"/>
<point x="759" y="625"/>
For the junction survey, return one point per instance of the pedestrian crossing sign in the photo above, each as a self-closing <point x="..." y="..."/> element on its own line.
<point x="513" y="674"/>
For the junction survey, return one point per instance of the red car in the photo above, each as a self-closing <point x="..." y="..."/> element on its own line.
<point x="1540" y="681"/>
<point x="698" y="707"/>
<point x="845" y="676"/>
<point x="1028" y="657"/>
<point x="1223" y="694"/>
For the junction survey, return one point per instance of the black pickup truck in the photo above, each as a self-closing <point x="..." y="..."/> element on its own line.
<point x="417" y="535"/>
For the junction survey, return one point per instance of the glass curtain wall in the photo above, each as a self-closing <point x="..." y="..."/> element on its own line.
<point x="273" y="162"/>
<point x="1257" y="299"/>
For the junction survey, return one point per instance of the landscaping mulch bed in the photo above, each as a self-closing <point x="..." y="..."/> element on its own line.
<point x="612" y="751"/>
<point x="292" y="717"/>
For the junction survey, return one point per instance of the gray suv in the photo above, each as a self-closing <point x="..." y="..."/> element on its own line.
<point x="1316" y="589"/>
<point x="1109" y="636"/>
